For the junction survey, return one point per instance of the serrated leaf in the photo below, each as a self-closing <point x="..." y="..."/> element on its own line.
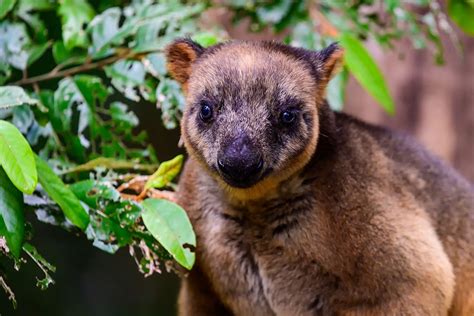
<point x="165" y="173"/>
<point x="17" y="159"/>
<point x="12" y="221"/>
<point x="170" y="225"/>
<point x="5" y="7"/>
<point x="75" y="14"/>
<point x="462" y="13"/>
<point x="61" y="194"/>
<point x="366" y="71"/>
<point x="14" y="96"/>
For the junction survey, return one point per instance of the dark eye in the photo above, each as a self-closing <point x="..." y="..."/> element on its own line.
<point x="287" y="117"/>
<point x="206" y="112"/>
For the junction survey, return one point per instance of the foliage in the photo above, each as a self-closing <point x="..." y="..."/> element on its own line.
<point x="89" y="139"/>
<point x="71" y="148"/>
<point x="315" y="24"/>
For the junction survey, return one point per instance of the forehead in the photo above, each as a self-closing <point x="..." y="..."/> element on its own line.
<point x="250" y="69"/>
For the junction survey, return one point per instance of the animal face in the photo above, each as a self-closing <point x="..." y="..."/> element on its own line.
<point x="252" y="108"/>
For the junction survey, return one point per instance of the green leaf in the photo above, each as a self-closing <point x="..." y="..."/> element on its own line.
<point x="35" y="5"/>
<point x="126" y="75"/>
<point x="36" y="51"/>
<point x="17" y="159"/>
<point x="75" y="14"/>
<point x="366" y="71"/>
<point x="206" y="39"/>
<point x="14" y="96"/>
<point x="155" y="64"/>
<point x="122" y="117"/>
<point x="170" y="225"/>
<point x="72" y="111"/>
<point x="90" y="191"/>
<point x="103" y="28"/>
<point x="12" y="221"/>
<point x="14" y="44"/>
<point x="462" y="13"/>
<point x="61" y="194"/>
<point x="5" y="7"/>
<point x="63" y="56"/>
<point x="165" y="173"/>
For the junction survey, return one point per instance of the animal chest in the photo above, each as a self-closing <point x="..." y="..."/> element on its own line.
<point x="266" y="267"/>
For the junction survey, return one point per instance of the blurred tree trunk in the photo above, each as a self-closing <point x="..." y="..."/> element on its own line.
<point x="434" y="103"/>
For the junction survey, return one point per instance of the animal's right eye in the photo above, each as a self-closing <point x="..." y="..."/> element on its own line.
<point x="206" y="111"/>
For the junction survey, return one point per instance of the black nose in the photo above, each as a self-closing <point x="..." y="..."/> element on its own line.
<point x="240" y="163"/>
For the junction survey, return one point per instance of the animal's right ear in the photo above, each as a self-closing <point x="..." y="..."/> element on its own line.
<point x="180" y="55"/>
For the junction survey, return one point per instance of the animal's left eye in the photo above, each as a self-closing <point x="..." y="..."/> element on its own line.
<point x="287" y="117"/>
<point x="205" y="112"/>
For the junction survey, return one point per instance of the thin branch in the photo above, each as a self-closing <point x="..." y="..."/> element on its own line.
<point x="74" y="70"/>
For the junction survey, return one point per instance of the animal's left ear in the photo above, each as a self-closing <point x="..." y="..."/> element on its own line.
<point x="330" y="60"/>
<point x="180" y="56"/>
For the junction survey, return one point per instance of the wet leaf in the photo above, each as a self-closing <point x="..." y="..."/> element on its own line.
<point x="170" y="225"/>
<point x="12" y="221"/>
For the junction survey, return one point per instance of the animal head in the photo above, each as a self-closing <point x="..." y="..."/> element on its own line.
<point x="252" y="112"/>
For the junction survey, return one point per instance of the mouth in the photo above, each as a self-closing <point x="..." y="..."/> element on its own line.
<point x="244" y="182"/>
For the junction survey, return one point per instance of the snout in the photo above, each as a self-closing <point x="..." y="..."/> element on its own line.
<point x="240" y="163"/>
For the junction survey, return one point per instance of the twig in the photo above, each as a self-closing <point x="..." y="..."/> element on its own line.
<point x="71" y="71"/>
<point x="8" y="291"/>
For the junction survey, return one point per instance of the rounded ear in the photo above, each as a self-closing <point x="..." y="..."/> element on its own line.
<point x="331" y="60"/>
<point x="180" y="55"/>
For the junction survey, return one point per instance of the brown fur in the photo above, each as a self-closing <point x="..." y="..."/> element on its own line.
<point x="352" y="219"/>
